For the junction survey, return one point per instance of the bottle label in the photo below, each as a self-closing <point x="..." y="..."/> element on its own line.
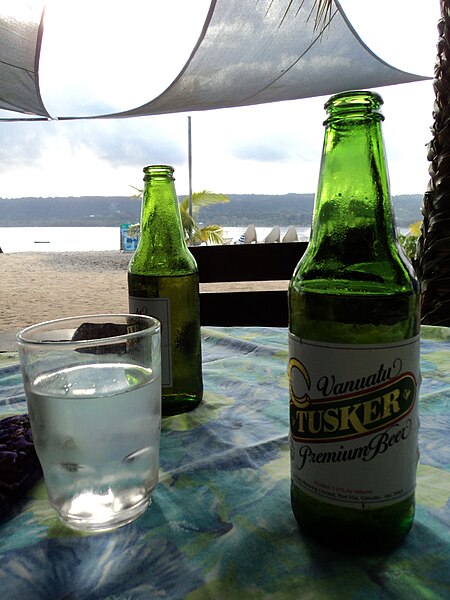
<point x="160" y="309"/>
<point x="354" y="421"/>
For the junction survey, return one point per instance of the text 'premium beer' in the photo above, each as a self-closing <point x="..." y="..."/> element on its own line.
<point x="163" y="282"/>
<point x="354" y="347"/>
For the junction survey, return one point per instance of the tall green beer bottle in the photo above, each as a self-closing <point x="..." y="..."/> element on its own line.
<point x="163" y="282"/>
<point x="354" y="347"/>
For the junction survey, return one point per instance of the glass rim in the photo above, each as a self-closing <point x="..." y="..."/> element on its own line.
<point x="23" y="340"/>
<point x="356" y="101"/>
<point x="159" y="166"/>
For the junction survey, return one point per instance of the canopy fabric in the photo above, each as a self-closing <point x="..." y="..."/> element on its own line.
<point x="20" y="44"/>
<point x="249" y="52"/>
<point x="257" y="52"/>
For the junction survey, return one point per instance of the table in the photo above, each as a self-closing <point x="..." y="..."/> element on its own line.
<point x="220" y="525"/>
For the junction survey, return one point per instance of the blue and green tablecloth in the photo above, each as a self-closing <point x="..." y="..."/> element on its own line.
<point x="220" y="525"/>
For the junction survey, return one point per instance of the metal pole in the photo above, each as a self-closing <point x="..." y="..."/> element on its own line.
<point x="190" y="165"/>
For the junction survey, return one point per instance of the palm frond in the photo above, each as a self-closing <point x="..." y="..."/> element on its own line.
<point x="187" y="222"/>
<point x="202" y="199"/>
<point x="414" y="228"/>
<point x="286" y="12"/>
<point x="139" y="192"/>
<point x="322" y="9"/>
<point x="210" y="234"/>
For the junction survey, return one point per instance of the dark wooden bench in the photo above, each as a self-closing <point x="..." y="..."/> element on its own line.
<point x="240" y="304"/>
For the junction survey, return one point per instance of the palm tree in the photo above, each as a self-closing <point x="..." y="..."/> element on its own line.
<point x="433" y="249"/>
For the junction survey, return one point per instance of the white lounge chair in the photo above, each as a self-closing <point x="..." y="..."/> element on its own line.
<point x="249" y="237"/>
<point x="291" y="234"/>
<point x="273" y="236"/>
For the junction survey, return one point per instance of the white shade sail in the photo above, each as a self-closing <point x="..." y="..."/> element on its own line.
<point x="20" y="45"/>
<point x="248" y="52"/>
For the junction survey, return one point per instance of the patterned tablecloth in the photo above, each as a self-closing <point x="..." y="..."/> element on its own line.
<point x="220" y="525"/>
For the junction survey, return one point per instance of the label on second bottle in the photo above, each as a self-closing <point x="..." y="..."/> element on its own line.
<point x="160" y="309"/>
<point x="354" y="421"/>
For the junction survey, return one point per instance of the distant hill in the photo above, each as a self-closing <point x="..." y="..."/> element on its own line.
<point x="95" y="211"/>
<point x="290" y="209"/>
<point x="87" y="211"/>
<point x="260" y="209"/>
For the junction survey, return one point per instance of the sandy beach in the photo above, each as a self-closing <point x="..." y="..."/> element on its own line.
<point x="38" y="286"/>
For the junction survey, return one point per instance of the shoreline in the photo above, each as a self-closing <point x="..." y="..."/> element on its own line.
<point x="97" y="239"/>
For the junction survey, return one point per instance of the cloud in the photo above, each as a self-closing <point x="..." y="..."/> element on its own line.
<point x="281" y="147"/>
<point x="263" y="149"/>
<point x="136" y="142"/>
<point x="132" y="142"/>
<point x="22" y="143"/>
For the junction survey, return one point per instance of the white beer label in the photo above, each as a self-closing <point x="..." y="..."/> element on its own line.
<point x="160" y="309"/>
<point x="354" y="421"/>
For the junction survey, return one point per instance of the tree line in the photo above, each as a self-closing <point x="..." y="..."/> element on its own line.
<point x="263" y="210"/>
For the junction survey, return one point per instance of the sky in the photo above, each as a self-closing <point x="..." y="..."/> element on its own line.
<point x="273" y="148"/>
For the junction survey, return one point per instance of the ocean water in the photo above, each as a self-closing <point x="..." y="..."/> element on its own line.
<point x="59" y="239"/>
<point x="83" y="239"/>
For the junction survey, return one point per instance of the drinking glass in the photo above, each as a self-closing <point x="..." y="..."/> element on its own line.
<point x="93" y="389"/>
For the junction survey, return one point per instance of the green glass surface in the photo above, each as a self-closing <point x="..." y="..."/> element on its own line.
<point x="353" y="285"/>
<point x="163" y="267"/>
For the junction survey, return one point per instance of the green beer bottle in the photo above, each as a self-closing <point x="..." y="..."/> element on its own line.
<point x="163" y="282"/>
<point x="354" y="347"/>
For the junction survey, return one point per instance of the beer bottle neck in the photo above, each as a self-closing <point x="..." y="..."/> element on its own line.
<point x="353" y="199"/>
<point x="162" y="247"/>
<point x="161" y="226"/>
<point x="353" y="243"/>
